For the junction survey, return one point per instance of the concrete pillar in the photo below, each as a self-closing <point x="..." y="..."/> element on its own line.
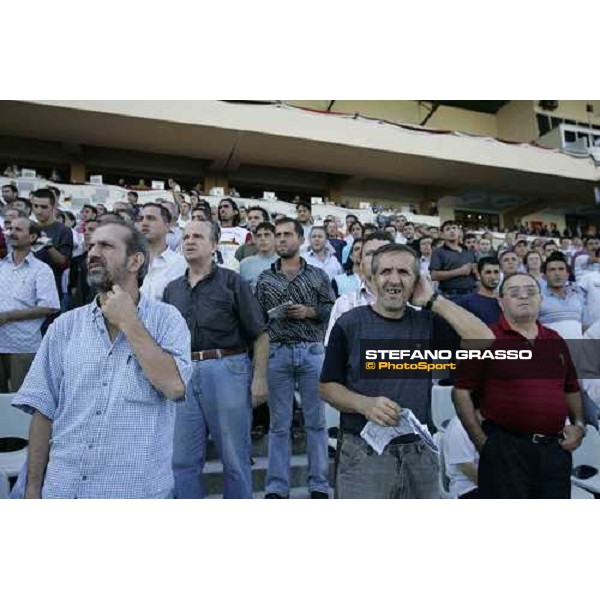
<point x="77" y="172"/>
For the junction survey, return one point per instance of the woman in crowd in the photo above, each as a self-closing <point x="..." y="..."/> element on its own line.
<point x="357" y="231"/>
<point x="533" y="265"/>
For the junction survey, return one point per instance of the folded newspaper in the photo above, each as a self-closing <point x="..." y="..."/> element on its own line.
<point x="379" y="437"/>
<point x="280" y="311"/>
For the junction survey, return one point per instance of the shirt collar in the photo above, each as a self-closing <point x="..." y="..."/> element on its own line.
<point x="328" y="253"/>
<point x="461" y="248"/>
<point x="214" y="268"/>
<point x="504" y="325"/>
<point x="276" y="266"/>
<point x="569" y="291"/>
<point x="27" y="259"/>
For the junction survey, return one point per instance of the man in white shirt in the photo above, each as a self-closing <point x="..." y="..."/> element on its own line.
<point x="165" y="265"/>
<point x="364" y="295"/>
<point x="590" y="284"/>
<point x="28" y="295"/>
<point x="425" y="251"/>
<point x="588" y="368"/>
<point x="232" y="235"/>
<point x="174" y="231"/>
<point x="461" y="460"/>
<point x="320" y="255"/>
<point x="586" y="260"/>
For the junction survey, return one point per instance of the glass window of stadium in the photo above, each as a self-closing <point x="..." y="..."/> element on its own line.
<point x="476" y="220"/>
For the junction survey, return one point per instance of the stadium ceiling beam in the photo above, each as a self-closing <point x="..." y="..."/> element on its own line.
<point x="230" y="162"/>
<point x="432" y="111"/>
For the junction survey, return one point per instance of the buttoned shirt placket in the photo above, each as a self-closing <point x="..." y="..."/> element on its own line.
<point x="113" y="351"/>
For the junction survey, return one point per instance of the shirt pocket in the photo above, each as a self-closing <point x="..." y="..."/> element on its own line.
<point x="24" y="291"/>
<point x="138" y="390"/>
<point x="216" y="316"/>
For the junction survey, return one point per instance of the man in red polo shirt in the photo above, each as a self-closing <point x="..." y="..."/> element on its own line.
<point x="525" y="447"/>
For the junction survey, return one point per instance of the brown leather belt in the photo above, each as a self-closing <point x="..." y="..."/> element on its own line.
<point x="214" y="354"/>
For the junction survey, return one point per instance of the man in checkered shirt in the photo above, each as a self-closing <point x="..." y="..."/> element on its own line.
<point x="103" y="384"/>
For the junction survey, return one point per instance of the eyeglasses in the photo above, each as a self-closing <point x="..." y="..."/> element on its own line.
<point x="517" y="292"/>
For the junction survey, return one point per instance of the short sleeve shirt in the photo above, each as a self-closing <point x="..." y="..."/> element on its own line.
<point x="62" y="240"/>
<point x="220" y="310"/>
<point x="445" y="258"/>
<point x="343" y="361"/>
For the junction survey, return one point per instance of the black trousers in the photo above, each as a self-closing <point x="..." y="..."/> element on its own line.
<point x="512" y="466"/>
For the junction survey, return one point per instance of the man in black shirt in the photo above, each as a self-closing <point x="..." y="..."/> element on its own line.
<point x="408" y="231"/>
<point x="79" y="287"/>
<point x="225" y="321"/>
<point x="58" y="249"/>
<point x="484" y="302"/>
<point x="297" y="298"/>
<point x="452" y="264"/>
<point x="407" y="468"/>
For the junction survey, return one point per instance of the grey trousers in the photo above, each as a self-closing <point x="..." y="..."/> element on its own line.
<point x="402" y="471"/>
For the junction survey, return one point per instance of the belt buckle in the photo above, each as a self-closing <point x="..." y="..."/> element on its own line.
<point x="538" y="438"/>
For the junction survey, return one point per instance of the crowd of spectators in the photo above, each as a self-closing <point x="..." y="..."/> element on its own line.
<point x="266" y="306"/>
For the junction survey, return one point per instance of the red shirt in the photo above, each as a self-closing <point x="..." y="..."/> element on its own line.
<point x="527" y="396"/>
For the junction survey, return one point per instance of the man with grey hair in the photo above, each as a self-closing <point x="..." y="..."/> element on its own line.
<point x="103" y="384"/>
<point x="407" y="468"/>
<point x="227" y="323"/>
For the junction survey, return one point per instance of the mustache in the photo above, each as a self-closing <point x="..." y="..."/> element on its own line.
<point x="96" y="261"/>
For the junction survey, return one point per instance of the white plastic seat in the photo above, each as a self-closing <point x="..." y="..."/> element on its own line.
<point x="332" y="420"/>
<point x="442" y="407"/>
<point x="14" y="423"/>
<point x="588" y="454"/>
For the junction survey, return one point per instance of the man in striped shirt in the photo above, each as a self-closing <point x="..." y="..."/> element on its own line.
<point x="297" y="297"/>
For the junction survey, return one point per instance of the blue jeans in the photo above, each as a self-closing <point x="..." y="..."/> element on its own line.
<point x="287" y="365"/>
<point x="217" y="401"/>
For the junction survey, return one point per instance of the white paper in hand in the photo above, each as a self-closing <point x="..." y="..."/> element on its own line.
<point x="279" y="312"/>
<point x="379" y="437"/>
